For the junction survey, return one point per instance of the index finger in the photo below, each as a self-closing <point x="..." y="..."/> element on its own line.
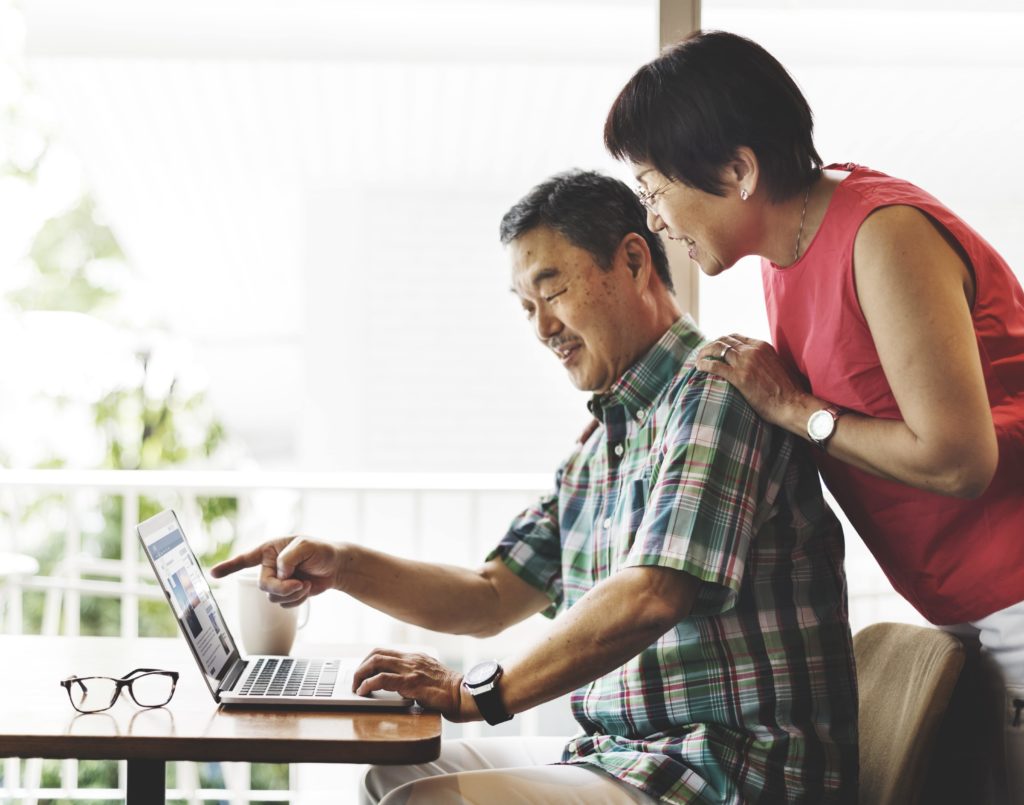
<point x="236" y="563"/>
<point x="377" y="660"/>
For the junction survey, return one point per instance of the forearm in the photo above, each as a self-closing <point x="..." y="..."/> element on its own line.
<point x="610" y="625"/>
<point x="890" y="449"/>
<point x="443" y="598"/>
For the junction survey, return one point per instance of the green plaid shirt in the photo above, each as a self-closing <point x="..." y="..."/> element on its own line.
<point x="752" y="698"/>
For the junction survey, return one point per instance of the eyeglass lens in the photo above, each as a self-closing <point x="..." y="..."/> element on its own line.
<point x="94" y="693"/>
<point x="152" y="690"/>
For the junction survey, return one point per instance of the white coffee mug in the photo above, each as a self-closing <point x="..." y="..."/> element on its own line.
<point x="266" y="627"/>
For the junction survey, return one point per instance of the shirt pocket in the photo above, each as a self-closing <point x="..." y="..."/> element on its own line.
<point x="637" y="493"/>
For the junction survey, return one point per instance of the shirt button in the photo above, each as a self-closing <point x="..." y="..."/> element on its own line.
<point x="641" y="415"/>
<point x="607" y="522"/>
<point x="619" y="449"/>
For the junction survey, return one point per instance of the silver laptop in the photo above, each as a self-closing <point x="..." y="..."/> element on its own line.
<point x="232" y="678"/>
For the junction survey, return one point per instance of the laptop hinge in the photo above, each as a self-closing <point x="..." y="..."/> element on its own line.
<point x="233" y="675"/>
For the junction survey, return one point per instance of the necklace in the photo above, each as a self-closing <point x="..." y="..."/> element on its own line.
<point x="799" y="234"/>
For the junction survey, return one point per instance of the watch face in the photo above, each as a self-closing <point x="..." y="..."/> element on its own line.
<point x="479" y="674"/>
<point x="820" y="425"/>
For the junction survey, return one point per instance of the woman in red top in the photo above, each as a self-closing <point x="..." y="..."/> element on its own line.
<point x="899" y="334"/>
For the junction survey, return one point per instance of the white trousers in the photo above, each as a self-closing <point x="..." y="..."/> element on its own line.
<point x="484" y="771"/>
<point x="995" y="649"/>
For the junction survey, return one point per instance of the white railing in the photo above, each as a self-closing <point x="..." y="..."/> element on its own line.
<point x="454" y="518"/>
<point x="447" y="517"/>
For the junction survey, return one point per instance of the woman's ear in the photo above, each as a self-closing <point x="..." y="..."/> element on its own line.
<point x="741" y="173"/>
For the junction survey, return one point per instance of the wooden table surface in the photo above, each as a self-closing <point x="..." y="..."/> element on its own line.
<point x="37" y="719"/>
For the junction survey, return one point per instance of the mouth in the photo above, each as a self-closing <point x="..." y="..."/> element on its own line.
<point x="567" y="351"/>
<point x="691" y="250"/>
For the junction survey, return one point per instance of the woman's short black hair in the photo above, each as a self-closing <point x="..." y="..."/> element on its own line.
<point x="592" y="211"/>
<point x="687" y="112"/>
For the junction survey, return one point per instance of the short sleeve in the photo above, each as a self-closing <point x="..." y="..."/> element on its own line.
<point x="702" y="506"/>
<point x="532" y="548"/>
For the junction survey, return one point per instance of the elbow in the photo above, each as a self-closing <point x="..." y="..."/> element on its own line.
<point x="971" y="483"/>
<point x="969" y="472"/>
<point x="485" y="630"/>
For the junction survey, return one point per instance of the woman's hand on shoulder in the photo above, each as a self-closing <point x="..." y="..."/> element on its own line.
<point x="771" y="388"/>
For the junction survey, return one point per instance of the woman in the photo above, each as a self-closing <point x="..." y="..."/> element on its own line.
<point x="899" y="333"/>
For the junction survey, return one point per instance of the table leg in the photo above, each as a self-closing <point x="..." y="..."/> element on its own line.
<point x="145" y="782"/>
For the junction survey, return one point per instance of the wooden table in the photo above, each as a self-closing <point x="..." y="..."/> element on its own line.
<point x="37" y="719"/>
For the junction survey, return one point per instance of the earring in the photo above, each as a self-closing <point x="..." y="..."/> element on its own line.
<point x="744" y="195"/>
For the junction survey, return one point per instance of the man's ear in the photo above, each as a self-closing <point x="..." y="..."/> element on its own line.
<point x="637" y="255"/>
<point x="741" y="173"/>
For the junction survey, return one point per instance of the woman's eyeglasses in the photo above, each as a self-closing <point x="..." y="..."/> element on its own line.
<point x="649" y="199"/>
<point x="148" y="687"/>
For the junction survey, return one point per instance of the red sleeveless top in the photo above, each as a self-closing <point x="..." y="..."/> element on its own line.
<point x="954" y="560"/>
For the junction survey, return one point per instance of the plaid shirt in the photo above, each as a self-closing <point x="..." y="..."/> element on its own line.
<point x="752" y="697"/>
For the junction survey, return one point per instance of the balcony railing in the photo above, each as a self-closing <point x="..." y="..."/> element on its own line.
<point x="446" y="517"/>
<point x="453" y="518"/>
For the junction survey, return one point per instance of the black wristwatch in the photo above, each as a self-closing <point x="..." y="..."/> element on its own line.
<point x="482" y="683"/>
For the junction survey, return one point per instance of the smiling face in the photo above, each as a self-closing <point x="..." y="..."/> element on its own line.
<point x="593" y="320"/>
<point x="709" y="226"/>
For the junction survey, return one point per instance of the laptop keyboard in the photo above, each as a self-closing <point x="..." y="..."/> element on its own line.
<point x="288" y="677"/>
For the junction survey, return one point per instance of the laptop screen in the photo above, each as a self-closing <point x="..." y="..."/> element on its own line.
<point x="189" y="594"/>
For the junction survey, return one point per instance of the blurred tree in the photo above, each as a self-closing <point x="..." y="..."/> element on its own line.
<point x="69" y="260"/>
<point x="62" y="252"/>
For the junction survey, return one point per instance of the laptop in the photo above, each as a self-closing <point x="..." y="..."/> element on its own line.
<point x="264" y="681"/>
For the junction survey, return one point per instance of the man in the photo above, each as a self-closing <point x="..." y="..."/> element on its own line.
<point x="692" y="569"/>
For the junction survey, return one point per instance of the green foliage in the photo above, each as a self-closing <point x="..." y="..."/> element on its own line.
<point x="97" y="774"/>
<point x="269" y="776"/>
<point x="211" y="775"/>
<point x="62" y="253"/>
<point x="74" y="263"/>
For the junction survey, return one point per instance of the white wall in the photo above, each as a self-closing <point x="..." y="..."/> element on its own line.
<point x="313" y="192"/>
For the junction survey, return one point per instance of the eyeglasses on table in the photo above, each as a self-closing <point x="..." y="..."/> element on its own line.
<point x="148" y="687"/>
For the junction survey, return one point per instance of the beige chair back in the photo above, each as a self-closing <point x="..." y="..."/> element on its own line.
<point x="905" y="675"/>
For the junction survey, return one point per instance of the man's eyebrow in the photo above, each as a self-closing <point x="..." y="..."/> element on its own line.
<point x="541" y="276"/>
<point x="544" y="274"/>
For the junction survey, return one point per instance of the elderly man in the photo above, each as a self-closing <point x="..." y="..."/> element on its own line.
<point x="692" y="569"/>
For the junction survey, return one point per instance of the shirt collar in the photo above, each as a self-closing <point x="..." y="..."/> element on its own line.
<point x="639" y="388"/>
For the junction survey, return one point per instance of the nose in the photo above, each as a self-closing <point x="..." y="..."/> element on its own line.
<point x="546" y="323"/>
<point x="654" y="222"/>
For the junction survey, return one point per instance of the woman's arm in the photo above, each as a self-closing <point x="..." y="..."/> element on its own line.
<point x="915" y="291"/>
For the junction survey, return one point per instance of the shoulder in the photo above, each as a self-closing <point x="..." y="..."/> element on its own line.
<point x="907" y="237"/>
<point x="698" y="399"/>
<point x="895" y="223"/>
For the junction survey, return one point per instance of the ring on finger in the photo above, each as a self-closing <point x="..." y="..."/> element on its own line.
<point x="725" y="352"/>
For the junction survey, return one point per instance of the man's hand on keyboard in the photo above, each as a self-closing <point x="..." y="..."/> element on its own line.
<point x="416" y="676"/>
<point x="291" y="568"/>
